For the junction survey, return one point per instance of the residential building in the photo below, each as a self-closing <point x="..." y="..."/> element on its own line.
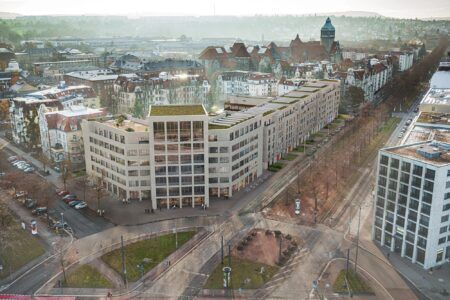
<point x="102" y="81"/>
<point x="192" y="156"/>
<point x="60" y="132"/>
<point x="246" y="83"/>
<point x="412" y="202"/>
<point x="134" y="94"/>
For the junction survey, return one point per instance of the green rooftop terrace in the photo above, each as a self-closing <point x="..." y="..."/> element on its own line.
<point x="176" y="110"/>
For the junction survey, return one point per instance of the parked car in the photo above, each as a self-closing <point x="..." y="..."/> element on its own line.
<point x="68" y="200"/>
<point x="30" y="203"/>
<point x="74" y="202"/>
<point x="69" y="196"/>
<point x="29" y="170"/>
<point x="18" y="162"/>
<point x="57" y="169"/>
<point x="39" y="210"/>
<point x="63" y="193"/>
<point x="297" y="206"/>
<point x="2" y="173"/>
<point x="23" y="166"/>
<point x="81" y="205"/>
<point x="400" y="135"/>
<point x="12" y="159"/>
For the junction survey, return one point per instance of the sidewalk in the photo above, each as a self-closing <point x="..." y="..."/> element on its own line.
<point x="432" y="284"/>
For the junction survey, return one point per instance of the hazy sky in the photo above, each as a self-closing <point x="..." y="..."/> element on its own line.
<point x="391" y="8"/>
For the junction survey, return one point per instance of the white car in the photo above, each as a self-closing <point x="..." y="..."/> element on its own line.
<point x="18" y="162"/>
<point x="29" y="170"/>
<point x="297" y="206"/>
<point x="81" y="205"/>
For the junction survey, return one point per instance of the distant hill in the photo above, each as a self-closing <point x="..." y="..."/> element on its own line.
<point x="8" y="15"/>
<point x="356" y="14"/>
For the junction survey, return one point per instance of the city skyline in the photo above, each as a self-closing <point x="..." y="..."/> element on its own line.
<point x="138" y="8"/>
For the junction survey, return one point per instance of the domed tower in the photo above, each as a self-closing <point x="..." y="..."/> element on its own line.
<point x="327" y="34"/>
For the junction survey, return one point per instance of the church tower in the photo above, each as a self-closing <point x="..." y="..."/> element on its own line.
<point x="327" y="34"/>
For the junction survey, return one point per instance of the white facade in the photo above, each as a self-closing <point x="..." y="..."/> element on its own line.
<point x="412" y="202"/>
<point x="246" y="83"/>
<point x="405" y="61"/>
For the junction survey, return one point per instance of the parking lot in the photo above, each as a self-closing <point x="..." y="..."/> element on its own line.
<point x="40" y="197"/>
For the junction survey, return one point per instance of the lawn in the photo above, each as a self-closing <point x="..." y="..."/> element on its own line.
<point x="299" y="149"/>
<point x="275" y="167"/>
<point x="356" y="284"/>
<point x="19" y="249"/>
<point x="241" y="270"/>
<point x="155" y="249"/>
<point x="87" y="276"/>
<point x="290" y="156"/>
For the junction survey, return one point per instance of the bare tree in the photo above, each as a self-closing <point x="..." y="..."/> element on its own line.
<point x="66" y="172"/>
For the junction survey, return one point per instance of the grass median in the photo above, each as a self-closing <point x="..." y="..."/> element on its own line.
<point x="18" y="247"/>
<point x="245" y="274"/>
<point x="356" y="284"/>
<point x="86" y="276"/>
<point x="153" y="251"/>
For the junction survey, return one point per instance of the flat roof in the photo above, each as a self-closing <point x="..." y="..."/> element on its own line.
<point x="431" y="152"/>
<point x="76" y="111"/>
<point x="434" y="118"/>
<point x="437" y="96"/>
<point x="127" y="125"/>
<point x="177" y="110"/>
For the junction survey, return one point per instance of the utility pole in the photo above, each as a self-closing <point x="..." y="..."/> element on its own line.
<point x="124" y="268"/>
<point x="348" y="260"/>
<point x="357" y="240"/>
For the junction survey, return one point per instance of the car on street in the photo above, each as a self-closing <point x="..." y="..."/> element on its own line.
<point x="63" y="193"/>
<point x="12" y="159"/>
<point x="400" y="135"/>
<point x="297" y="206"/>
<point x="74" y="202"/>
<point x="30" y="203"/>
<point x="68" y="200"/>
<point x="2" y="173"/>
<point x="57" y="169"/>
<point x="39" y="210"/>
<point x="18" y="162"/>
<point x="81" y="205"/>
<point x="29" y="170"/>
<point x="69" y="196"/>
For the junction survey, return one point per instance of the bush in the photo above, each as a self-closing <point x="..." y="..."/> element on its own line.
<point x="254" y="233"/>
<point x="277" y="233"/>
<point x="286" y="253"/>
<point x="240" y="248"/>
<point x="268" y="232"/>
<point x="294" y="244"/>
<point x="292" y="248"/>
<point x="288" y="237"/>
<point x="249" y="238"/>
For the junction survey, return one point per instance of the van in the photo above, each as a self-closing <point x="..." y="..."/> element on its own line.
<point x="297" y="206"/>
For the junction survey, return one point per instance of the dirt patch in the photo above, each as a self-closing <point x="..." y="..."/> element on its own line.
<point x="264" y="247"/>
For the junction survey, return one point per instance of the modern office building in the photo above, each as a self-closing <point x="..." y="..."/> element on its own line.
<point x="412" y="205"/>
<point x="179" y="155"/>
<point x="190" y="156"/>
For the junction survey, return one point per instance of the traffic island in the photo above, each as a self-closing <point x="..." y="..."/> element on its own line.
<point x="255" y="259"/>
<point x="142" y="256"/>
<point x="351" y="283"/>
<point x="85" y="276"/>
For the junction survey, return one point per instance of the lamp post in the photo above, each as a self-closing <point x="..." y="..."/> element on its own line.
<point x="62" y="219"/>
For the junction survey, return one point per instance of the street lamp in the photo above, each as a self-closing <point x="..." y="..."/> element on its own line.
<point x="142" y="269"/>
<point x="62" y="219"/>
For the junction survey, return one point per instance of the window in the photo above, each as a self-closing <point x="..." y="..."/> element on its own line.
<point x="158" y="131"/>
<point x="444" y="218"/>
<point x="417" y="170"/>
<point x="427" y="197"/>
<point x="384" y="160"/>
<point x="185" y="131"/>
<point x="213" y="150"/>
<point x="429" y="174"/>
<point x="406" y="166"/>
<point x="223" y="149"/>
<point x="428" y="186"/>
<point x="443" y="229"/>
<point x="172" y="170"/>
<point x="197" y="130"/>
<point x="394" y="163"/>
<point x="213" y="180"/>
<point x="172" y="131"/>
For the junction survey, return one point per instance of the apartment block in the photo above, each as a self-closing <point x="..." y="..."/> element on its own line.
<point x="190" y="156"/>
<point x="118" y="153"/>
<point x="412" y="205"/>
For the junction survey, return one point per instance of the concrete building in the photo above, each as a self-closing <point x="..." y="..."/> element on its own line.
<point x="179" y="152"/>
<point x="101" y="81"/>
<point x="437" y="99"/>
<point x="192" y="156"/>
<point x="412" y="204"/>
<point x="60" y="131"/>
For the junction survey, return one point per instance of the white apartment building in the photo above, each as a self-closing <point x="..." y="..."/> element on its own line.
<point x="119" y="154"/>
<point x="192" y="156"/>
<point x="179" y="155"/>
<point x="354" y="55"/>
<point x="247" y="83"/>
<point x="405" y="61"/>
<point x="412" y="202"/>
<point x="60" y="131"/>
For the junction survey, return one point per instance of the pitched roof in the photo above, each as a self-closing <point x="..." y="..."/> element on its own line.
<point x="239" y="50"/>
